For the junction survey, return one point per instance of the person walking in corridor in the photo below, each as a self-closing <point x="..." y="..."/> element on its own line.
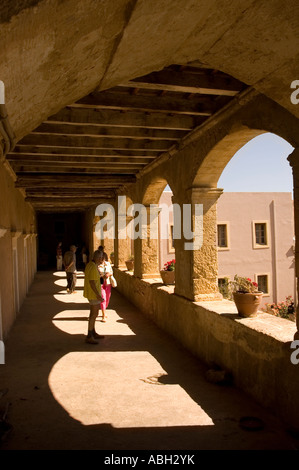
<point x="69" y="261"/>
<point x="105" y="270"/>
<point x="92" y="292"/>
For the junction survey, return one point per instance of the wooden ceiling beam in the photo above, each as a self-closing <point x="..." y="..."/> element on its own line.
<point x="22" y="158"/>
<point x="71" y="151"/>
<point x="99" y="143"/>
<point x="89" y="130"/>
<point x="126" y="167"/>
<point x="79" y="194"/>
<point x="131" y="119"/>
<point x="187" y="82"/>
<point x="161" y="103"/>
<point x="65" y="181"/>
<point x="65" y="201"/>
<point x="79" y="169"/>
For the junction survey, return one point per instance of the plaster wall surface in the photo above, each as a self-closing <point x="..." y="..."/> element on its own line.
<point x="17" y="221"/>
<point x="239" y="211"/>
<point x="243" y="257"/>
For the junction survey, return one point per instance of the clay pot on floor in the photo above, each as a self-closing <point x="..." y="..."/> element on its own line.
<point x="168" y="277"/>
<point x="248" y="303"/>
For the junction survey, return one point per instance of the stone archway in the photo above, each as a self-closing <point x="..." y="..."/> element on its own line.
<point x="216" y="160"/>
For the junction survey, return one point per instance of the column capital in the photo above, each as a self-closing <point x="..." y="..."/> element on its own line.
<point x="198" y="193"/>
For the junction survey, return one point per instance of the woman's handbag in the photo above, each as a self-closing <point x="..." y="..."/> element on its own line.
<point x="113" y="281"/>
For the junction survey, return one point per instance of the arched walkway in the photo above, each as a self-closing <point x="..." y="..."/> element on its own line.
<point x="136" y="389"/>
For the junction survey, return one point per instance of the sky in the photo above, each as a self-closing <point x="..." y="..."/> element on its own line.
<point x="260" y="165"/>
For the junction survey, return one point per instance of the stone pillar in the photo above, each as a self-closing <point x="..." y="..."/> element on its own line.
<point x="293" y="159"/>
<point x="122" y="246"/>
<point x="146" y="248"/>
<point x="197" y="268"/>
<point x="95" y="240"/>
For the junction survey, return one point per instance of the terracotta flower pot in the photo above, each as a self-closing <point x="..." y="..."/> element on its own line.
<point x="248" y="303"/>
<point x="168" y="277"/>
<point x="130" y="265"/>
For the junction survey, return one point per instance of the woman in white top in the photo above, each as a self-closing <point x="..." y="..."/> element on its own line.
<point x="105" y="270"/>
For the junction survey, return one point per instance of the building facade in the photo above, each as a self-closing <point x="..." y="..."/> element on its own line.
<point x="255" y="239"/>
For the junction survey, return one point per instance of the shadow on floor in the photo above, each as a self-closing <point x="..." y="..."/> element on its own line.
<point x="57" y="383"/>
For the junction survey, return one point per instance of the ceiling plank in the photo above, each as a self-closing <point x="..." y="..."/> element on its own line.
<point x="23" y="158"/>
<point x="79" y="169"/>
<point x="64" y="181"/>
<point x="89" y="130"/>
<point x="131" y="119"/>
<point x="161" y="103"/>
<point x="93" y="152"/>
<point x="102" y="143"/>
<point x="65" y="201"/>
<point x="182" y="82"/>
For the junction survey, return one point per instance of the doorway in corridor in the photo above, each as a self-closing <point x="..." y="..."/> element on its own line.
<point x="53" y="228"/>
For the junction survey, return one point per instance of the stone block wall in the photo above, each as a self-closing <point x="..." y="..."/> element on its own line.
<point x="17" y="250"/>
<point x="255" y="351"/>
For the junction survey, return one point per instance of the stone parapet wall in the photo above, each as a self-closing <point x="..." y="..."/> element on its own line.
<point x="256" y="351"/>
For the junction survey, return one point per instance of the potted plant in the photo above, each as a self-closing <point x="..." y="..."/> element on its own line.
<point x="167" y="273"/>
<point x="246" y="296"/>
<point x="130" y="263"/>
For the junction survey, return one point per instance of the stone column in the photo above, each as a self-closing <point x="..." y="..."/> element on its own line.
<point x="197" y="268"/>
<point x="146" y="248"/>
<point x="122" y="246"/>
<point x="293" y="159"/>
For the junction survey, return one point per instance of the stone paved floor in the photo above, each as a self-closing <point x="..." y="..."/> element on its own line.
<point x="137" y="389"/>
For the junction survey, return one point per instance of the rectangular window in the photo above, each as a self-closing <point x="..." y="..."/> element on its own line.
<point x="221" y="282"/>
<point x="170" y="240"/>
<point x="222" y="239"/>
<point x="260" y="234"/>
<point x="263" y="283"/>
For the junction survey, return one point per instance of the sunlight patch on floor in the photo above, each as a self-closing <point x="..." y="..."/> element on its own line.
<point x="75" y="322"/>
<point x="97" y="387"/>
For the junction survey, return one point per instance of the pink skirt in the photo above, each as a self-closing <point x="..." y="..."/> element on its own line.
<point x="106" y="294"/>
